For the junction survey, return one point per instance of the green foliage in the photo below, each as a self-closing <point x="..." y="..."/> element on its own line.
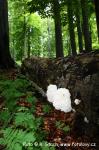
<point x="31" y="99"/>
<point x="17" y="139"/>
<point x="4" y="115"/>
<point x="20" y="127"/>
<point x="62" y="126"/>
<point x="27" y="120"/>
<point x="32" y="26"/>
<point x="18" y="84"/>
<point x="14" y="138"/>
<point x="21" y="84"/>
<point x="25" y="130"/>
<point x="46" y="108"/>
<point x="29" y="29"/>
<point x="13" y="90"/>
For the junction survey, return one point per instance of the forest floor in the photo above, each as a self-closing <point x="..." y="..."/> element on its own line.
<point x="20" y="108"/>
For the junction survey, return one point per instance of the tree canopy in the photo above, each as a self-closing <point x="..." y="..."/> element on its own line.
<point x="52" y="28"/>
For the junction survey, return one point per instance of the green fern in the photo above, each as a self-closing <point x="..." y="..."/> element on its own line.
<point x="21" y="84"/>
<point x="62" y="126"/>
<point x="18" y="84"/>
<point x="19" y="123"/>
<point x="47" y="108"/>
<point x="24" y="119"/>
<point x="13" y="90"/>
<point x="31" y="99"/>
<point x="4" y="115"/>
<point x="27" y="120"/>
<point x="5" y="84"/>
<point x="11" y="96"/>
<point x="14" y="138"/>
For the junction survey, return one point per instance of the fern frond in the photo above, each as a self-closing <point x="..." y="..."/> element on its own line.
<point x="27" y="120"/>
<point x="15" y="138"/>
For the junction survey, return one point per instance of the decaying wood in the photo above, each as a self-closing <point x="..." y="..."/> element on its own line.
<point x="37" y="88"/>
<point x="80" y="74"/>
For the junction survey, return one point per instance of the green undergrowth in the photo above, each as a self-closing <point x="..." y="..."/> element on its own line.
<point x="62" y="126"/>
<point x="20" y="128"/>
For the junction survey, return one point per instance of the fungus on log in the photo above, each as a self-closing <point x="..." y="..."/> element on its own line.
<point x="79" y="74"/>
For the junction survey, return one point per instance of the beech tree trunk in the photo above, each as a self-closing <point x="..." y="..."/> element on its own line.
<point x="86" y="31"/>
<point x="78" y="22"/>
<point x="5" y="57"/>
<point x="58" y="31"/>
<point x="97" y="14"/>
<point x="71" y="27"/>
<point x="29" y="44"/>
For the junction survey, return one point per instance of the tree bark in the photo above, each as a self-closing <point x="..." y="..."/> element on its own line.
<point x="24" y="51"/>
<point x="97" y="14"/>
<point x="86" y="31"/>
<point x="58" y="31"/>
<point x="49" y="42"/>
<point x="71" y="27"/>
<point x="5" y="57"/>
<point x="78" y="22"/>
<point x="29" y="43"/>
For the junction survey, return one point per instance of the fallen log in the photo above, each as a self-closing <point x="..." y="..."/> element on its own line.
<point x="37" y="88"/>
<point x="80" y="74"/>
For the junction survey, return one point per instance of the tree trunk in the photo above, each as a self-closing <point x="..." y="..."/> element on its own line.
<point x="86" y="31"/>
<point x="58" y="31"/>
<point x="49" y="42"/>
<point x="71" y="27"/>
<point x="5" y="57"/>
<point x="78" y="22"/>
<point x="97" y="14"/>
<point x="29" y="48"/>
<point x="24" y="51"/>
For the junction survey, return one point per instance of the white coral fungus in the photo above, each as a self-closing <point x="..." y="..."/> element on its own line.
<point x="77" y="101"/>
<point x="51" y="90"/>
<point x="59" y="97"/>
